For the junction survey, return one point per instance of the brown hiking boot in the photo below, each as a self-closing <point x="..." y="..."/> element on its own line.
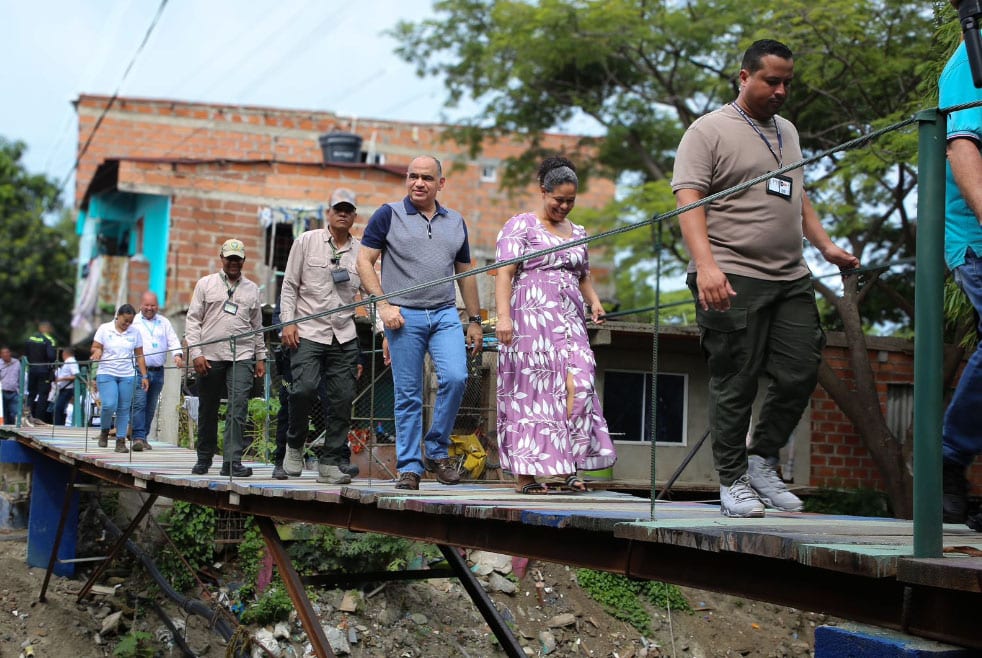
<point x="445" y="471"/>
<point x="121" y="446"/>
<point x="408" y="480"/>
<point x="104" y="439"/>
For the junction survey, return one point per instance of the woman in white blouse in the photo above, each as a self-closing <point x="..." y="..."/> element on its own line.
<point x="115" y="347"/>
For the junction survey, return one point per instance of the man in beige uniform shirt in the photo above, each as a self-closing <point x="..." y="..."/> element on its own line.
<point x="321" y="275"/>
<point x="225" y="304"/>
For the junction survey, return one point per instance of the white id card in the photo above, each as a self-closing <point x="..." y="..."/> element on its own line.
<point x="779" y="186"/>
<point x="231" y="308"/>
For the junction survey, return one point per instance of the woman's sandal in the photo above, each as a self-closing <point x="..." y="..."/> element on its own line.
<point x="576" y="485"/>
<point x="534" y="489"/>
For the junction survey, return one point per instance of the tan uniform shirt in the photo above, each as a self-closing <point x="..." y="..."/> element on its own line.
<point x="751" y="233"/>
<point x="209" y="320"/>
<point x="309" y="287"/>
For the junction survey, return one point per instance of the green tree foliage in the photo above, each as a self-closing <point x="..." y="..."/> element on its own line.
<point x="36" y="272"/>
<point x="643" y="70"/>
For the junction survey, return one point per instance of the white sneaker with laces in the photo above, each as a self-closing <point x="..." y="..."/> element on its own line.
<point x="293" y="461"/>
<point x="770" y="487"/>
<point x="740" y="500"/>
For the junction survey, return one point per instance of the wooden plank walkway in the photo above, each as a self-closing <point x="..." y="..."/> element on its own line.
<point x="858" y="568"/>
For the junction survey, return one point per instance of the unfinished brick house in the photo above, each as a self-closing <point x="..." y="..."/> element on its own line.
<point x="162" y="183"/>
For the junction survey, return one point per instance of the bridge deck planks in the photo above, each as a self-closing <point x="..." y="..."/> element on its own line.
<point x="863" y="546"/>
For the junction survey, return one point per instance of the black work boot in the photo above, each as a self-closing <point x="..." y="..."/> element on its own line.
<point x="954" y="487"/>
<point x="202" y="465"/>
<point x="237" y="470"/>
<point x="348" y="468"/>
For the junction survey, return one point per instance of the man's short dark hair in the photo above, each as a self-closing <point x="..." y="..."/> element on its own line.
<point x="760" y="49"/>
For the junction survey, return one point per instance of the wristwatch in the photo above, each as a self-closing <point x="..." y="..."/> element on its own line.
<point x="476" y="319"/>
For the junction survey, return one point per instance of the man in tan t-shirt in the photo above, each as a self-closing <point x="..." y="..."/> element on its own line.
<point x="755" y="302"/>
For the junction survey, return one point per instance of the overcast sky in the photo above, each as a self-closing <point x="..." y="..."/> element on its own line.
<point x="310" y="54"/>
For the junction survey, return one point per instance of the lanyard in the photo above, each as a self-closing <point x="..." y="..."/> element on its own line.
<point x="779" y="156"/>
<point x="152" y="327"/>
<point x="231" y="289"/>
<point x="336" y="253"/>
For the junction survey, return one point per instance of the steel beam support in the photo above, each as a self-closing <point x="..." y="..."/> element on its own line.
<point x="315" y="632"/>
<point x="117" y="547"/>
<point x="509" y="643"/>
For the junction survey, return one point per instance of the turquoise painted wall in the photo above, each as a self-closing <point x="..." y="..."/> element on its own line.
<point x="115" y="214"/>
<point x="155" y="211"/>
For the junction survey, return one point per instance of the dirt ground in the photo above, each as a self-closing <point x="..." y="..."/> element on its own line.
<point x="431" y="618"/>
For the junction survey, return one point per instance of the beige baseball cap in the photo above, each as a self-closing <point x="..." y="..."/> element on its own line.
<point x="233" y="247"/>
<point x="343" y="195"/>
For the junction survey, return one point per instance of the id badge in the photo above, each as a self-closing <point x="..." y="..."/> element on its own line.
<point x="779" y="186"/>
<point x="231" y="308"/>
<point x="340" y="276"/>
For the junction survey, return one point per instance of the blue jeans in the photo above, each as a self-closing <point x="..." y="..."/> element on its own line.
<point x="11" y="406"/>
<point x="145" y="403"/>
<point x="438" y="332"/>
<point x="116" y="394"/>
<point x="961" y="431"/>
<point x="65" y="396"/>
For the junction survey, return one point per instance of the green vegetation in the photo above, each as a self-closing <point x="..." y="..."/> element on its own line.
<point x="135" y="644"/>
<point x="858" y="502"/>
<point x="622" y="597"/>
<point x="191" y="529"/>
<point x="34" y="250"/>
<point x="272" y="606"/>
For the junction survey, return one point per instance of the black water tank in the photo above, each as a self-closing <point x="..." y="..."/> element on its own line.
<point x="340" y="147"/>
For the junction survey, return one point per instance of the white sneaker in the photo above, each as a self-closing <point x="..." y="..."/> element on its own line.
<point x="331" y="474"/>
<point x="293" y="461"/>
<point x="770" y="487"/>
<point x="740" y="500"/>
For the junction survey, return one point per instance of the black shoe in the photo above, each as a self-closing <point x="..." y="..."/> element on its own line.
<point x="444" y="470"/>
<point x="279" y="473"/>
<point x="349" y="469"/>
<point x="237" y="470"/>
<point x="954" y="487"/>
<point x="201" y="468"/>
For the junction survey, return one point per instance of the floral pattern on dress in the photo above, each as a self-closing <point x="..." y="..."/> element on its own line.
<point x="535" y="435"/>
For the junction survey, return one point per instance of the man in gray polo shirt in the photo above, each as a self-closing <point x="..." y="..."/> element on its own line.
<point x="421" y="241"/>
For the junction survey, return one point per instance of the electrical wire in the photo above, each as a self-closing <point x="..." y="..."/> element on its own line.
<point x="112" y="99"/>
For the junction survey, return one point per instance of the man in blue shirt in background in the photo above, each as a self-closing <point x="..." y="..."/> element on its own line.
<point x="962" y="432"/>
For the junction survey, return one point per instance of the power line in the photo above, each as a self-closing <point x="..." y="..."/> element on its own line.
<point x="112" y="99"/>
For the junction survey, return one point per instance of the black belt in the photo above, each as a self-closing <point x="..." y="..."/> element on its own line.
<point x="154" y="368"/>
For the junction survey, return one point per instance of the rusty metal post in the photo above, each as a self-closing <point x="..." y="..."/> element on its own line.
<point x="117" y="547"/>
<point x="315" y="632"/>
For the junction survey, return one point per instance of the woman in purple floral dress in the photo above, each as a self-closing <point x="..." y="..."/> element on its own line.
<point x="549" y="419"/>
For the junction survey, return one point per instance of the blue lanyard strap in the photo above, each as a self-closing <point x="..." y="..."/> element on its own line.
<point x="779" y="156"/>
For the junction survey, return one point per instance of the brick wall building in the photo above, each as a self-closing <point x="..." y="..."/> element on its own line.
<point x="838" y="457"/>
<point x="165" y="182"/>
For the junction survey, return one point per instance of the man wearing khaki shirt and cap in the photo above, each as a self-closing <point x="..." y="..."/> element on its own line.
<point x="321" y="275"/>
<point x="225" y="304"/>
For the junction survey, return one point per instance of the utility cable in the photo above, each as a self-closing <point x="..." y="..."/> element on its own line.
<point x="112" y="99"/>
